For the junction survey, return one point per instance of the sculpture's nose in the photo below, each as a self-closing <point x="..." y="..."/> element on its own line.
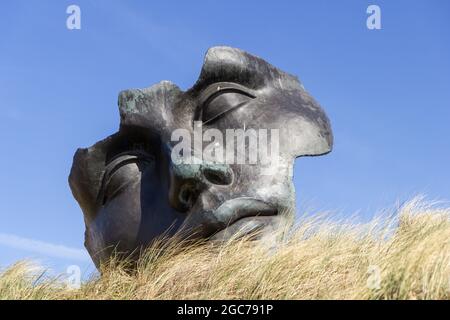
<point x="187" y="181"/>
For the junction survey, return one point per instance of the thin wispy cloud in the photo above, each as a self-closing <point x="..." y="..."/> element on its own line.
<point x="43" y="248"/>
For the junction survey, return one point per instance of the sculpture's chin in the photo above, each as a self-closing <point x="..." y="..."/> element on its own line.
<point x="255" y="227"/>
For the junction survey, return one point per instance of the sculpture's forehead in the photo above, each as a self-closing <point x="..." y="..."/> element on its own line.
<point x="234" y="65"/>
<point x="151" y="108"/>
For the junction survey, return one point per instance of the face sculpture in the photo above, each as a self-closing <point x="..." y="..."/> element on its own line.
<point x="133" y="190"/>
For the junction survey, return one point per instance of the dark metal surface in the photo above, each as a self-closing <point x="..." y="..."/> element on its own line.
<point x="131" y="191"/>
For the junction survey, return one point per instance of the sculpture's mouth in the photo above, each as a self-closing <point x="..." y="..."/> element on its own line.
<point x="234" y="218"/>
<point x="253" y="227"/>
<point x="242" y="217"/>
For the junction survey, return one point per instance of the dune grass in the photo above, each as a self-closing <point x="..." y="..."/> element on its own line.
<point x="405" y="258"/>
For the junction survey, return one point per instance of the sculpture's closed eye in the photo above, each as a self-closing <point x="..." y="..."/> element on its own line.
<point x="221" y="98"/>
<point x="122" y="170"/>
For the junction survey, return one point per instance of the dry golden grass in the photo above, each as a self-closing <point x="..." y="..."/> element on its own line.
<point x="408" y="258"/>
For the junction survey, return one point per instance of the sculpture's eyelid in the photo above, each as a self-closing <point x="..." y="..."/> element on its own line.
<point x="223" y="87"/>
<point x="115" y="164"/>
<point x="123" y="159"/>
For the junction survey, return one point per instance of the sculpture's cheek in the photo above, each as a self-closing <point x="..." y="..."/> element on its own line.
<point x="117" y="223"/>
<point x="135" y="211"/>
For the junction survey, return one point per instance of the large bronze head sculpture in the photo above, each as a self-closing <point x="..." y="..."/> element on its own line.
<point x="147" y="180"/>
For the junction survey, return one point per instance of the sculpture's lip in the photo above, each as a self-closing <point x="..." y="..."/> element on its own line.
<point x="252" y="227"/>
<point x="235" y="209"/>
<point x="242" y="216"/>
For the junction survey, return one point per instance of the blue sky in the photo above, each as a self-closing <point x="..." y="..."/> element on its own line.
<point x="386" y="91"/>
